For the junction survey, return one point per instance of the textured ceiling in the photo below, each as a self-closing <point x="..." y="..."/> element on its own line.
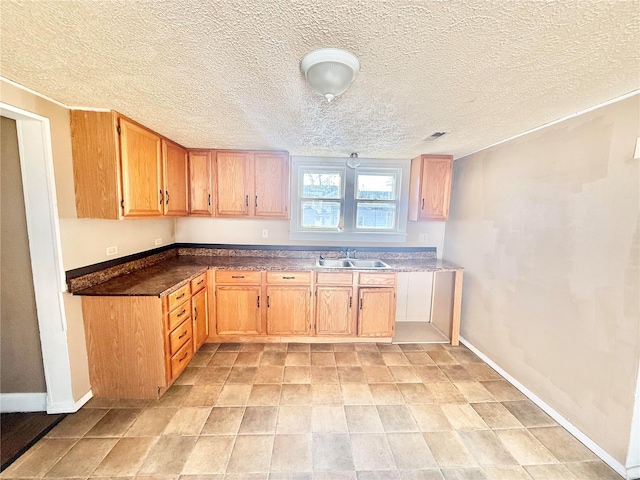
<point x="225" y="74"/>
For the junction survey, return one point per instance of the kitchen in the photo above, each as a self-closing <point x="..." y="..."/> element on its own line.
<point x="509" y="263"/>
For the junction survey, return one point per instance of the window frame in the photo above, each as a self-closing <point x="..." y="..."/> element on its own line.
<point x="347" y="228"/>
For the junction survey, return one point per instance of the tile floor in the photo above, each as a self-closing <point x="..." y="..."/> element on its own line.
<point x="330" y="412"/>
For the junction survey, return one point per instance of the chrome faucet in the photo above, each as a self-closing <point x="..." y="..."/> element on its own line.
<point x="348" y="252"/>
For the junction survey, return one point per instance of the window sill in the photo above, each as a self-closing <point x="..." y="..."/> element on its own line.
<point x="349" y="237"/>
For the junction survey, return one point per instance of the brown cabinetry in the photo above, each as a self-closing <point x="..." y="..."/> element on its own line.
<point x="238" y="303"/>
<point x="252" y="184"/>
<point x="376" y="304"/>
<point x="138" y="345"/>
<point x="199" y="310"/>
<point x="176" y="179"/>
<point x="201" y="192"/>
<point x="335" y="304"/>
<point x="122" y="169"/>
<point x="288" y="303"/>
<point x="430" y="187"/>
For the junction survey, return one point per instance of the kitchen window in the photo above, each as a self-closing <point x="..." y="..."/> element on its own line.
<point x="334" y="202"/>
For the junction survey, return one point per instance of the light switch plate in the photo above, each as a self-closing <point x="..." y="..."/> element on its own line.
<point x="423" y="238"/>
<point x="112" y="250"/>
<point x="265" y="233"/>
<point x="158" y="241"/>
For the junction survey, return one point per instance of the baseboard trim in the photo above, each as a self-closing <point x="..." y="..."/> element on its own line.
<point x="23" y="402"/>
<point x="590" y="444"/>
<point x="70" y="407"/>
<point x="633" y="472"/>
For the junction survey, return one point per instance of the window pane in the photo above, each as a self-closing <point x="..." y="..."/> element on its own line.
<point x="322" y="185"/>
<point x="376" y="187"/>
<point x="380" y="216"/>
<point x="320" y="214"/>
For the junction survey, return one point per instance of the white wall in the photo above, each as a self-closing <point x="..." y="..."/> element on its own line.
<point x="249" y="231"/>
<point x="547" y="228"/>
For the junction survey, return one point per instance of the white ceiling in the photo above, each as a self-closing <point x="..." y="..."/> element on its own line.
<point x="225" y="74"/>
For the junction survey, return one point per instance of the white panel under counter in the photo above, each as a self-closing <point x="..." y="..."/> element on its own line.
<point x="425" y="310"/>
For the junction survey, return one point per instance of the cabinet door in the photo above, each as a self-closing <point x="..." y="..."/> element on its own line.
<point x="376" y="317"/>
<point x="199" y="309"/>
<point x="201" y="184"/>
<point x="435" y="190"/>
<point x="232" y="178"/>
<point x="271" y="185"/>
<point x="334" y="311"/>
<point x="176" y="174"/>
<point x="289" y="310"/>
<point x="238" y="310"/>
<point x="141" y="158"/>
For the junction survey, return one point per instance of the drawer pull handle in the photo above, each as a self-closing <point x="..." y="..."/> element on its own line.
<point x="360" y="303"/>
<point x="268" y="302"/>
<point x="200" y="282"/>
<point x="195" y="317"/>
<point x="256" y="201"/>
<point x="237" y="276"/>
<point x="423" y="204"/>
<point x="182" y="313"/>
<point x="186" y="354"/>
<point x="258" y="301"/>
<point x="166" y="193"/>
<point x="180" y="296"/>
<point x="350" y="301"/>
<point x="288" y="278"/>
<point x="183" y="335"/>
<point x="161" y="197"/>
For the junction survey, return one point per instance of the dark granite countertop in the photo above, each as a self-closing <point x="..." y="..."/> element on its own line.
<point x="164" y="277"/>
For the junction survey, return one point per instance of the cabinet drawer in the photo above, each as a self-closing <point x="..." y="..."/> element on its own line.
<point x="177" y="316"/>
<point x="377" y="279"/>
<point x="284" y="278"/>
<point x="199" y="282"/>
<point x="181" y="359"/>
<point x="329" y="278"/>
<point x="231" y="277"/>
<point x="180" y="336"/>
<point x="179" y="296"/>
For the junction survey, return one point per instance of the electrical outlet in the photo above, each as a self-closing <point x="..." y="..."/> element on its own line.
<point x="112" y="250"/>
<point x="158" y="241"/>
<point x="423" y="238"/>
<point x="265" y="233"/>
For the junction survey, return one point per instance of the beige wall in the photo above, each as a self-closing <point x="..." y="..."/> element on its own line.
<point x="83" y="241"/>
<point x="241" y="231"/>
<point x="21" y="369"/>
<point x="547" y="227"/>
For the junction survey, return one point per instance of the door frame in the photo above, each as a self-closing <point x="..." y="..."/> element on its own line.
<point x="41" y="208"/>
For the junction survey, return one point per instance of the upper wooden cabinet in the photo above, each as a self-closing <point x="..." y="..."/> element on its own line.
<point x="176" y="179"/>
<point x="201" y="192"/>
<point x="252" y="184"/>
<point x="121" y="170"/>
<point x="430" y="187"/>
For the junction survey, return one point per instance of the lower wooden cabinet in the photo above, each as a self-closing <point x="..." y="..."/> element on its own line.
<point x="376" y="316"/>
<point x="238" y="302"/>
<point x="288" y="310"/>
<point x="335" y="304"/>
<point x="138" y="345"/>
<point x="238" y="310"/>
<point x="200" y="314"/>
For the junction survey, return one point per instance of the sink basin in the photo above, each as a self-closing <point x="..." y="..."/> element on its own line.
<point x="351" y="263"/>
<point x="368" y="264"/>
<point x="334" y="263"/>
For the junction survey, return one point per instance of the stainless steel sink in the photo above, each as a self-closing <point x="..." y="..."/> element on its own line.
<point x="334" y="263"/>
<point x="351" y="263"/>
<point x="368" y="263"/>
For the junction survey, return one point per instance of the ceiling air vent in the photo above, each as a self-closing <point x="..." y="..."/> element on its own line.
<point x="434" y="136"/>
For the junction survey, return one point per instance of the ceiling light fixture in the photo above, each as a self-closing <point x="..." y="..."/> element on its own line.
<point x="330" y="71"/>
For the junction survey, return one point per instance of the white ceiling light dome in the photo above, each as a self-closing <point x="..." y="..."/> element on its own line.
<point x="330" y="71"/>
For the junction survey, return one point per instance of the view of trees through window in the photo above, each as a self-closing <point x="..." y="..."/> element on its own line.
<point x="322" y="200"/>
